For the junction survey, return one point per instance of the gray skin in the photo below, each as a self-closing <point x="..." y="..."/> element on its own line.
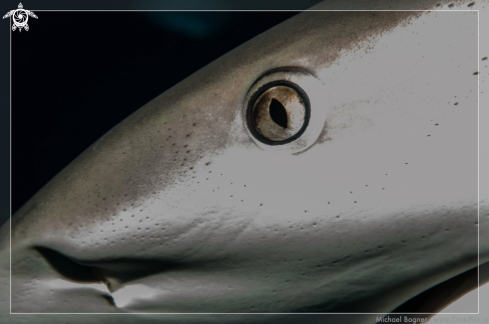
<point x="179" y="209"/>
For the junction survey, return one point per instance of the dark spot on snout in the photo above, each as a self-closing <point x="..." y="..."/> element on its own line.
<point x="476" y="72"/>
<point x="471" y="4"/>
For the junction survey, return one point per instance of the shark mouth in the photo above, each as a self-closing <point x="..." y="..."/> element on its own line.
<point x="424" y="305"/>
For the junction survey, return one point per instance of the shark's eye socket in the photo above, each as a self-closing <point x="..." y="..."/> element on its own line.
<point x="278" y="112"/>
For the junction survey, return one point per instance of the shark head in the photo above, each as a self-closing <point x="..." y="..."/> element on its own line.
<point x="328" y="165"/>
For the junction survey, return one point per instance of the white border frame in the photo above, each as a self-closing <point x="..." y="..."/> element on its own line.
<point x="383" y="314"/>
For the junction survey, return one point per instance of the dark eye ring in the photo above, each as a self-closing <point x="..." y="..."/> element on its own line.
<point x="278" y="112"/>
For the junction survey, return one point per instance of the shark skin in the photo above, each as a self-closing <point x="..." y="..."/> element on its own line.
<point x="179" y="209"/>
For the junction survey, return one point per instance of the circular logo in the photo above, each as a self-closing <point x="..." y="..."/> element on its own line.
<point x="20" y="17"/>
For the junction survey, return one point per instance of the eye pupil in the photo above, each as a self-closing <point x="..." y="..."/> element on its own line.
<point x="278" y="113"/>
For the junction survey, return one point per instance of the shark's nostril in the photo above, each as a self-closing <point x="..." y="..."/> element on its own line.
<point x="67" y="268"/>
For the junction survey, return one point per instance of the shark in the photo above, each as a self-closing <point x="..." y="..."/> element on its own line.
<point x="326" y="170"/>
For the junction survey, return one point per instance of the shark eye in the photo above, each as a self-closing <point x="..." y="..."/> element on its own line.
<point x="278" y="112"/>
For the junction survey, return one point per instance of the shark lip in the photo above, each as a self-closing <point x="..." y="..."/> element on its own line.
<point x="127" y="284"/>
<point x="113" y="273"/>
<point x="69" y="269"/>
<point x="107" y="278"/>
<point x="95" y="290"/>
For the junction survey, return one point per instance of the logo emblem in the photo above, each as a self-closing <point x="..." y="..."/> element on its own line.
<point x="20" y="17"/>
